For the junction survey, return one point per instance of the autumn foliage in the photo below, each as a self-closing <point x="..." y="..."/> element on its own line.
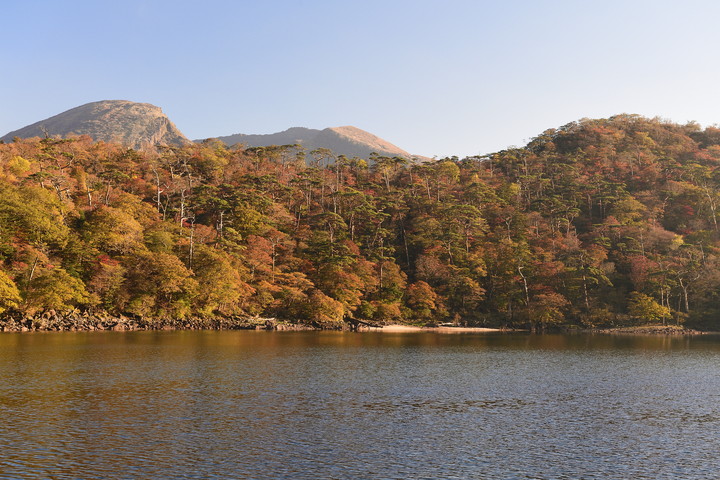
<point x="597" y="223"/>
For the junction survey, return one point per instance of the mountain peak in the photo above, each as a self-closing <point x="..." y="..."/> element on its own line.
<point x="143" y="125"/>
<point x="137" y="125"/>
<point x="347" y="140"/>
<point x="368" y="140"/>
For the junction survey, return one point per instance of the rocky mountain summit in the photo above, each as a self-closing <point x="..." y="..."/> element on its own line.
<point x="142" y="125"/>
<point x="137" y="125"/>
<point x="349" y="141"/>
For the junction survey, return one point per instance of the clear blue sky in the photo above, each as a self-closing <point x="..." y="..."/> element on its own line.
<point x="452" y="77"/>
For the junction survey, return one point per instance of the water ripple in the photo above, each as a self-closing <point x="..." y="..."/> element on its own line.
<point x="212" y="405"/>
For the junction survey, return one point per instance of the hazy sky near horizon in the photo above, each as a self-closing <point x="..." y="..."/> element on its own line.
<point x="436" y="78"/>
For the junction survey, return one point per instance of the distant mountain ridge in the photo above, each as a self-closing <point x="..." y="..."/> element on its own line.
<point x="143" y="125"/>
<point x="348" y="140"/>
<point x="137" y="125"/>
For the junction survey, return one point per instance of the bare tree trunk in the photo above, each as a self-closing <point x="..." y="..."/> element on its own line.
<point x="182" y="207"/>
<point x="192" y="243"/>
<point x="32" y="270"/>
<point x="220" y="224"/>
<point x="684" y="287"/>
<point x="157" y="189"/>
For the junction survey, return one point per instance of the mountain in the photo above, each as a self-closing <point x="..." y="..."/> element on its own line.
<point x="142" y="125"/>
<point x="349" y="141"/>
<point x="291" y="136"/>
<point x="137" y="125"/>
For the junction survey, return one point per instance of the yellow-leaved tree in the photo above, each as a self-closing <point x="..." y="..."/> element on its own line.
<point x="9" y="293"/>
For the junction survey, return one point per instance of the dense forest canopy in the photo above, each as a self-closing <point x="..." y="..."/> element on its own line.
<point x="597" y="223"/>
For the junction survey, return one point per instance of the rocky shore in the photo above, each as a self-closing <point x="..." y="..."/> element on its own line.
<point x="78" y="321"/>
<point x="650" y="330"/>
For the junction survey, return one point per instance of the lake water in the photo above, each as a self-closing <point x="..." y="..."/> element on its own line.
<point x="331" y="405"/>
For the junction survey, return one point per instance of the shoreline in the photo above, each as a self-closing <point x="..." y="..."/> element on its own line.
<point x="84" y="321"/>
<point x="673" y="330"/>
<point x="77" y="321"/>
<point x="442" y="329"/>
<point x="124" y="324"/>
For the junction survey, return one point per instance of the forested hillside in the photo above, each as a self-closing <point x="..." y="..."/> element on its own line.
<point x="598" y="223"/>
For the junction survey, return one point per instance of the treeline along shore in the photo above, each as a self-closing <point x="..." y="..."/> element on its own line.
<point x="597" y="224"/>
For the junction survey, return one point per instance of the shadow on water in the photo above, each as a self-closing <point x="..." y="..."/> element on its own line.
<point x="65" y="341"/>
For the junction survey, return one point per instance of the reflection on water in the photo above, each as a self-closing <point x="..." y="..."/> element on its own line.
<point x="370" y="405"/>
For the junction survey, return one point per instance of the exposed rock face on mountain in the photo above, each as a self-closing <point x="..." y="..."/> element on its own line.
<point x="142" y="125"/>
<point x="348" y="141"/>
<point x="137" y="125"/>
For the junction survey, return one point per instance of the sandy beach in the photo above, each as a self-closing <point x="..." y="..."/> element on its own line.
<point x="412" y="328"/>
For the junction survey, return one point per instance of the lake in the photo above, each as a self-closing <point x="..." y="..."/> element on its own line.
<point x="332" y="405"/>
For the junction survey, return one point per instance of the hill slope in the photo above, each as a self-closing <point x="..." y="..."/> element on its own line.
<point x="137" y="125"/>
